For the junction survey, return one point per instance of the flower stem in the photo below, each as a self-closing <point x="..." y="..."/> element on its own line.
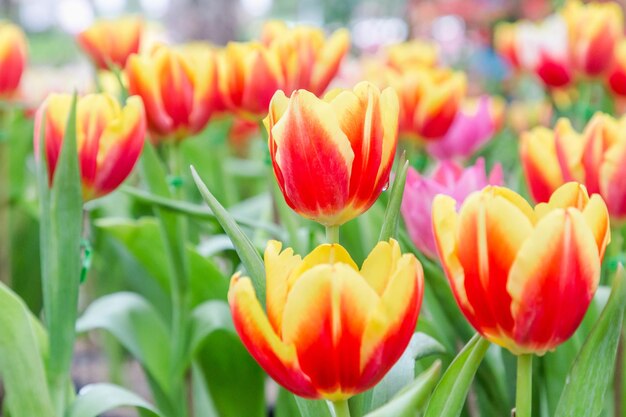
<point x="524" y="393"/>
<point x="341" y="408"/>
<point x="332" y="234"/>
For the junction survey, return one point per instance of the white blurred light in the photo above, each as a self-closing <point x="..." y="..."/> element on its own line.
<point x="448" y="29"/>
<point x="35" y="16"/>
<point x="373" y="33"/>
<point x="155" y="8"/>
<point x="74" y="15"/>
<point x="256" y="8"/>
<point x="110" y="8"/>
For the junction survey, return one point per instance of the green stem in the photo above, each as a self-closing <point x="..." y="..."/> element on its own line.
<point x="341" y="408"/>
<point x="332" y="234"/>
<point x="5" y="199"/>
<point x="524" y="393"/>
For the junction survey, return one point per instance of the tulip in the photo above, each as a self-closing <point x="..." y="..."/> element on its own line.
<point x="13" y="50"/>
<point x="474" y="125"/>
<point x="308" y="60"/>
<point x="505" y="42"/>
<point x="178" y="88"/>
<point x="248" y="76"/>
<point x="540" y="159"/>
<point x="429" y="100"/>
<point x="332" y="156"/>
<point x="523" y="277"/>
<point x="617" y="75"/>
<point x="111" y="42"/>
<point x="448" y="178"/>
<point x="331" y="330"/>
<point x="109" y="138"/>
<point x="543" y="49"/>
<point x="412" y="54"/>
<point x="595" y="29"/>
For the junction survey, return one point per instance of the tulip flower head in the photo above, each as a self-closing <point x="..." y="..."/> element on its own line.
<point x="248" y="76"/>
<point x="13" y="54"/>
<point x="109" y="138"/>
<point x="331" y="330"/>
<point x="544" y="49"/>
<point x="523" y="277"/>
<point x="308" y="59"/>
<point x="595" y="29"/>
<point x="412" y="54"/>
<point x="448" y="178"/>
<point x="110" y="42"/>
<point x="332" y="156"/>
<point x="594" y="157"/>
<point x="178" y="88"/>
<point x="474" y="125"/>
<point x="429" y="100"/>
<point x="505" y="42"/>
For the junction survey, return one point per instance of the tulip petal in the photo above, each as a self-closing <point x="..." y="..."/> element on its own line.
<point x="309" y="141"/>
<point x="556" y="270"/>
<point x="322" y="254"/>
<point x="380" y="264"/>
<point x="324" y="318"/>
<point x="393" y="321"/>
<point x="540" y="162"/>
<point x="328" y="60"/>
<point x="612" y="172"/>
<point x="278" y="359"/>
<point x="278" y="267"/>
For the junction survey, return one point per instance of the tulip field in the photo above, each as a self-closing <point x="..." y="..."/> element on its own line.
<point x="299" y="223"/>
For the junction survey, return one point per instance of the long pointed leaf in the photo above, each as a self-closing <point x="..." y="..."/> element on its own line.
<point x="450" y="394"/>
<point x="21" y="364"/>
<point x="245" y="249"/>
<point x="590" y="375"/>
<point x="392" y="212"/>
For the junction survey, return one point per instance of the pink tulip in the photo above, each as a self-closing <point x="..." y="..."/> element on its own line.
<point x="448" y="178"/>
<point x="470" y="130"/>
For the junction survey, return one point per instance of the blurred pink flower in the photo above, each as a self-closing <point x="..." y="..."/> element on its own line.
<point x="471" y="129"/>
<point x="448" y="178"/>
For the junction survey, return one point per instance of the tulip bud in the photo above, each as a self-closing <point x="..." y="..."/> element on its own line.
<point x="109" y="138"/>
<point x="178" y="88"/>
<point x="111" y="42"/>
<point x="331" y="330"/>
<point x="13" y="50"/>
<point x="332" y="157"/>
<point x="523" y="277"/>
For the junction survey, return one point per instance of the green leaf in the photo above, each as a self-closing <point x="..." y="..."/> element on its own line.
<point x="137" y="326"/>
<point x="96" y="399"/>
<point x="235" y="381"/>
<point x="142" y="238"/>
<point x="392" y="213"/>
<point x="207" y="318"/>
<point x="61" y="222"/>
<point x="590" y="375"/>
<point x="411" y="399"/>
<point x="21" y="364"/>
<point x="199" y="212"/>
<point x="245" y="248"/>
<point x="450" y="394"/>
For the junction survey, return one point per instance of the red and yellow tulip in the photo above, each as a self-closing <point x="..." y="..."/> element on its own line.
<point x="505" y="42"/>
<point x="429" y="100"/>
<point x="594" y="158"/>
<point x="111" y="42"/>
<point x="109" y="138"/>
<point x="332" y="156"/>
<point x="248" y="76"/>
<point x="595" y="29"/>
<point x="331" y="330"/>
<point x="178" y="88"/>
<point x="523" y="277"/>
<point x="307" y="58"/>
<point x="13" y="54"/>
